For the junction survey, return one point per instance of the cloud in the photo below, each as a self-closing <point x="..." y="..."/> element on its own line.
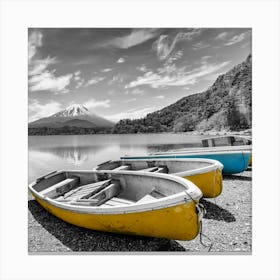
<point x="135" y="91"/>
<point x="134" y="113"/>
<point x="80" y="82"/>
<point x="92" y="104"/>
<point x="142" y="68"/>
<point x="121" y="60"/>
<point x="165" y="44"/>
<point x="48" y="81"/>
<point x="174" y="56"/>
<point x="129" y="100"/>
<point x="38" y="66"/>
<point x="173" y="76"/>
<point x="247" y="44"/>
<point x="111" y="92"/>
<point x="34" y="41"/>
<point x="136" y="37"/>
<point x="94" y="80"/>
<point x="85" y="61"/>
<point x="106" y="70"/>
<point x="213" y="77"/>
<point x="117" y="79"/>
<point x="160" y="97"/>
<point x="236" y="39"/>
<point x="40" y="78"/>
<point x="221" y="36"/>
<point x="205" y="58"/>
<point x="200" y="46"/>
<point x="37" y="110"/>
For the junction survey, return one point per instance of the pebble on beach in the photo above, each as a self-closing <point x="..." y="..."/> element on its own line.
<point x="226" y="228"/>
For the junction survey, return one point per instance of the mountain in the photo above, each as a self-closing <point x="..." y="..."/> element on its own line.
<point x="73" y="116"/>
<point x="226" y="105"/>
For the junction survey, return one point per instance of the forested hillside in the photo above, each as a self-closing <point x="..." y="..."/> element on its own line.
<point x="227" y="104"/>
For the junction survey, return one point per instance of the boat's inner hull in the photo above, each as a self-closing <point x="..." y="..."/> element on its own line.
<point x="233" y="161"/>
<point x="180" y="222"/>
<point x="206" y="174"/>
<point x="157" y="205"/>
<point x="132" y="187"/>
<point x="172" y="166"/>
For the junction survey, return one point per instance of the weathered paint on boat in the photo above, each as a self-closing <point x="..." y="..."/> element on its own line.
<point x="210" y="183"/>
<point x="155" y="223"/>
<point x="173" y="217"/>
<point x="206" y="174"/>
<point x="233" y="161"/>
<point x="226" y="140"/>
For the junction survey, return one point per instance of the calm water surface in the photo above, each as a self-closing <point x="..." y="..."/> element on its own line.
<point x="49" y="153"/>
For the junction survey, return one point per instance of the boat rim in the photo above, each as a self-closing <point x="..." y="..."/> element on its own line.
<point x="187" y="152"/>
<point x="247" y="137"/>
<point x="197" y="171"/>
<point x="191" y="194"/>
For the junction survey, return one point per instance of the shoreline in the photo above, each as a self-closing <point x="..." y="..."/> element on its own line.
<point x="246" y="132"/>
<point x="227" y="223"/>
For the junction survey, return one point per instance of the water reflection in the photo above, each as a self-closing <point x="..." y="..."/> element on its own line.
<point x="166" y="147"/>
<point x="49" y="153"/>
<point x="58" y="158"/>
<point x="75" y="156"/>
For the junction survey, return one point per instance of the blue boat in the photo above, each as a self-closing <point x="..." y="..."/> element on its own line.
<point x="234" y="159"/>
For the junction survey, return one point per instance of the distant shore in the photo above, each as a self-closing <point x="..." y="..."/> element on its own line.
<point x="222" y="132"/>
<point x="247" y="132"/>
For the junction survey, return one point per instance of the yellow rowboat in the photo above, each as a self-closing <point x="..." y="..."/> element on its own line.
<point x="206" y="174"/>
<point x="137" y="203"/>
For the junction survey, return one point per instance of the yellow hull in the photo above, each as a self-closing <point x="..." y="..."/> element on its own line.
<point x="179" y="222"/>
<point x="250" y="161"/>
<point x="210" y="183"/>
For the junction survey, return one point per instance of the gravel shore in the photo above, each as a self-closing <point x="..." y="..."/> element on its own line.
<point x="227" y="227"/>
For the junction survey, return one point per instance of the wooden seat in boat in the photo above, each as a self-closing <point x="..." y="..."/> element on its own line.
<point x="152" y="196"/>
<point x="162" y="169"/>
<point x="122" y="167"/>
<point x="156" y="169"/>
<point x="150" y="169"/>
<point x="116" y="201"/>
<point x="100" y="197"/>
<point x="147" y="198"/>
<point x="88" y="190"/>
<point x="60" y="188"/>
<point x="84" y="191"/>
<point x="157" y="194"/>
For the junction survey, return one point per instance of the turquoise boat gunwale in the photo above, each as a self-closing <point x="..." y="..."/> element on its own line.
<point x="234" y="161"/>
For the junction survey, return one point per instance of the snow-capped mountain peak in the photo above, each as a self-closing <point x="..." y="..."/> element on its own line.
<point x="75" y="115"/>
<point x="73" y="110"/>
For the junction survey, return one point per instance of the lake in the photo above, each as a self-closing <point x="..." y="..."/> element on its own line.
<point x="56" y="152"/>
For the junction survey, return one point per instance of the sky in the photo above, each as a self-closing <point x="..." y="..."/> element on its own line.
<point x="120" y="73"/>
